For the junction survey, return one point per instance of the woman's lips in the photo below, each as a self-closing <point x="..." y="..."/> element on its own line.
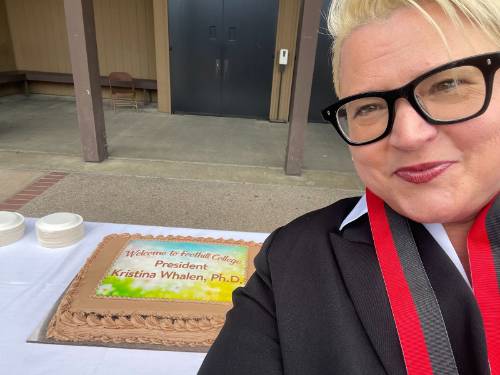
<point x="422" y="173"/>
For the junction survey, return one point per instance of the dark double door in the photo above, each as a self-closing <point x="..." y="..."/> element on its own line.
<point x="222" y="56"/>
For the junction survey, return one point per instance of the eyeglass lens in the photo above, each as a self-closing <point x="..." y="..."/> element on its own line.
<point x="449" y="95"/>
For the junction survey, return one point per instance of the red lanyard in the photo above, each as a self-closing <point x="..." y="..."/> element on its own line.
<point x="483" y="244"/>
<point x="421" y="329"/>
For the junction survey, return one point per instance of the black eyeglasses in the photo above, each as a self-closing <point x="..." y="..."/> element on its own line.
<point x="451" y="93"/>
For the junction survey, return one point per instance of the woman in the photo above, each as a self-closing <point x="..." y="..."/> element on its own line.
<point x="361" y="287"/>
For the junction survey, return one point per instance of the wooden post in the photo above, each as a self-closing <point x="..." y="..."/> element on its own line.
<point x="301" y="92"/>
<point x="160" y="10"/>
<point x="85" y="66"/>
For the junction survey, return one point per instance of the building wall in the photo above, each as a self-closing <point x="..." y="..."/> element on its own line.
<point x="124" y="31"/>
<point x="125" y="39"/>
<point x="39" y="35"/>
<point x="7" y="61"/>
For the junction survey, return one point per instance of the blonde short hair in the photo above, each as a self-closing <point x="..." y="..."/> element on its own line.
<point x="346" y="15"/>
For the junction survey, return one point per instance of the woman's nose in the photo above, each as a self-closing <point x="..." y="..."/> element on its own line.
<point x="410" y="131"/>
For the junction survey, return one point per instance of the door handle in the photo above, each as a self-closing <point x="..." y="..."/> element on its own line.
<point x="217" y="67"/>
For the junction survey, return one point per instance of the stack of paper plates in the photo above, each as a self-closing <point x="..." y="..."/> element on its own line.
<point x="59" y="229"/>
<point x="11" y="227"/>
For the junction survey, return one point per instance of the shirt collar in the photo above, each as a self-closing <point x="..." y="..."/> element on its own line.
<point x="436" y="230"/>
<point x="359" y="210"/>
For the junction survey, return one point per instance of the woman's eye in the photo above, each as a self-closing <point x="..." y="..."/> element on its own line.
<point x="446" y="85"/>
<point x="366" y="110"/>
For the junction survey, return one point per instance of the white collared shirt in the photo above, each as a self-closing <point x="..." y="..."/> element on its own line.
<point x="435" y="229"/>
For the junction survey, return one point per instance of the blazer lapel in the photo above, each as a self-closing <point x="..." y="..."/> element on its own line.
<point x="358" y="264"/>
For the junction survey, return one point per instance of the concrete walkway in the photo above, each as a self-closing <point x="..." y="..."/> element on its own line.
<point x="181" y="203"/>
<point x="187" y="171"/>
<point x="12" y="181"/>
<point x="49" y="124"/>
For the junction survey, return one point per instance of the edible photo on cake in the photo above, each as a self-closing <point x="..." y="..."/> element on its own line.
<point x="175" y="270"/>
<point x="163" y="292"/>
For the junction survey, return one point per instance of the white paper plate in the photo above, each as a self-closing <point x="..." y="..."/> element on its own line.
<point x="60" y="229"/>
<point x="60" y="243"/>
<point x="61" y="239"/>
<point x="12" y="233"/>
<point x="70" y="233"/>
<point x="59" y="221"/>
<point x="11" y="227"/>
<point x="10" y="220"/>
<point x="4" y="241"/>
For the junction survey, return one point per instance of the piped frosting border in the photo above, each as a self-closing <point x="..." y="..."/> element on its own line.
<point x="199" y="329"/>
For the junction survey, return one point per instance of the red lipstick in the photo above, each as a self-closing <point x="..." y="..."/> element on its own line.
<point x="422" y="173"/>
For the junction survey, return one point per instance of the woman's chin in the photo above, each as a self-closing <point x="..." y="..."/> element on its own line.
<point x="428" y="209"/>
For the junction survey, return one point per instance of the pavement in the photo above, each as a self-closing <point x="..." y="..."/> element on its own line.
<point x="167" y="170"/>
<point x="13" y="181"/>
<point x="48" y="124"/>
<point x="180" y="203"/>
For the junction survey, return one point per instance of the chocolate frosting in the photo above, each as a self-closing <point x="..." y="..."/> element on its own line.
<point x="83" y="317"/>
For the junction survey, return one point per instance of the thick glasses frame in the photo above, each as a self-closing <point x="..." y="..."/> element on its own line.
<point x="488" y="64"/>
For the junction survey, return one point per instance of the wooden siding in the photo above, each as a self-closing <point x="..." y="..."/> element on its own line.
<point x="125" y="37"/>
<point x="39" y="35"/>
<point x="124" y="30"/>
<point x="286" y="37"/>
<point x="7" y="61"/>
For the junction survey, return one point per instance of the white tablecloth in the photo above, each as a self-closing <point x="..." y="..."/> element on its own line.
<point x="31" y="280"/>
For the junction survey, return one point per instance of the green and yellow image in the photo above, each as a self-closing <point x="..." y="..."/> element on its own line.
<point x="185" y="271"/>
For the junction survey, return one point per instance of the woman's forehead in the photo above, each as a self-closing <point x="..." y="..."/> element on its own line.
<point x="385" y="54"/>
<point x="377" y="69"/>
<point x="377" y="57"/>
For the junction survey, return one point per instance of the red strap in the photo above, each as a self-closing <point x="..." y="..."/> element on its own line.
<point x="486" y="286"/>
<point x="403" y="308"/>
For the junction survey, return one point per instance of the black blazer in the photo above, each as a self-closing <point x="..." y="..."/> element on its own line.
<point x="317" y="305"/>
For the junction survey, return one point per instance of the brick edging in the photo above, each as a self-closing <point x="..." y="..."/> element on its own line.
<point x="30" y="192"/>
